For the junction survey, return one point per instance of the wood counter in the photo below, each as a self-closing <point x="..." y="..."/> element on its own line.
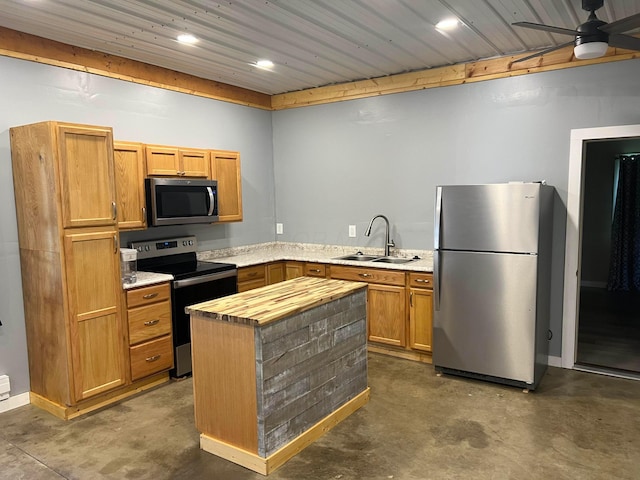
<point x="276" y="367"/>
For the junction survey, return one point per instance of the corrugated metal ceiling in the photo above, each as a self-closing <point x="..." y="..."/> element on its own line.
<point x="312" y="42"/>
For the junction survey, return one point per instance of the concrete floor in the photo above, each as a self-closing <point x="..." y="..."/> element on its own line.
<point x="417" y="426"/>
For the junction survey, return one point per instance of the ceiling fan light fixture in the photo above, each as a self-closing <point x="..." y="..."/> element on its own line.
<point x="585" y="51"/>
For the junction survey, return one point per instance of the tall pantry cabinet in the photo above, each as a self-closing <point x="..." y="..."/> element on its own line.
<point x="66" y="212"/>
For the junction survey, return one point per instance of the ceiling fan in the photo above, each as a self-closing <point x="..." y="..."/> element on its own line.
<point x="594" y="36"/>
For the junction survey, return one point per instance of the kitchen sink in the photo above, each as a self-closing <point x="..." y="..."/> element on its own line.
<point x="358" y="257"/>
<point x="395" y="260"/>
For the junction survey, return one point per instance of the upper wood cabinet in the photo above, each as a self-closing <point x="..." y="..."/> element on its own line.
<point x="225" y="168"/>
<point x="173" y="161"/>
<point x="130" y="172"/>
<point x="87" y="186"/>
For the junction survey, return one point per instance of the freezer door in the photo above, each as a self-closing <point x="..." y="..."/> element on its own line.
<point x="485" y="321"/>
<point x="488" y="218"/>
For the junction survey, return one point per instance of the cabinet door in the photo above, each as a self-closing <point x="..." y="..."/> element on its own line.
<point x="130" y="172"/>
<point x="294" y="270"/>
<point x="225" y="168"/>
<point x="420" y="319"/>
<point x="87" y="183"/>
<point x="96" y="330"/>
<point x="162" y="161"/>
<point x="386" y="312"/>
<point x="275" y="273"/>
<point x="194" y="163"/>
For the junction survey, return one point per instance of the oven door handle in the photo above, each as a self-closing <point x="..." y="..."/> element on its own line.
<point x="204" y="278"/>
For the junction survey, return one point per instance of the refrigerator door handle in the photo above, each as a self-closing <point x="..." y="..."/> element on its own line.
<point x="438" y="219"/>
<point x="436" y="280"/>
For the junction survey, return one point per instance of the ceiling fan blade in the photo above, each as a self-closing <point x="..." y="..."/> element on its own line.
<point x="543" y="52"/>
<point x="624" y="41"/>
<point x="546" y="28"/>
<point x="622" y="25"/>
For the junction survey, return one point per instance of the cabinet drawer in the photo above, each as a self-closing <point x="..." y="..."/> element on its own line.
<point x="371" y="275"/>
<point x="421" y="280"/>
<point x="149" y="321"/>
<point x="147" y="295"/>
<point x="315" y="270"/>
<point x="250" y="274"/>
<point x="151" y="357"/>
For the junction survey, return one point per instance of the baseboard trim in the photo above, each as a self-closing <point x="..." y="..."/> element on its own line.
<point x="15" y="401"/>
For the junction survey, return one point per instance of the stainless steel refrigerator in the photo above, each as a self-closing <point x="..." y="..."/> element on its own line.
<point x="492" y="261"/>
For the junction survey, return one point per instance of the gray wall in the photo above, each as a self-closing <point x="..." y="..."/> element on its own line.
<point x="33" y="92"/>
<point x="342" y="163"/>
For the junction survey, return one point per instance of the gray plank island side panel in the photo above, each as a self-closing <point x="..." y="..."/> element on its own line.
<point x="307" y="366"/>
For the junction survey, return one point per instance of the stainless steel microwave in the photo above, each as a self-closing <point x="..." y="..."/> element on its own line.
<point x="179" y="201"/>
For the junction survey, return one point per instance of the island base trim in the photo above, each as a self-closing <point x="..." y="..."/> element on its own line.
<point x="69" y="412"/>
<point x="267" y="465"/>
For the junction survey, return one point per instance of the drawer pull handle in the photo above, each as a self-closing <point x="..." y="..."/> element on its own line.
<point x="365" y="275"/>
<point x="420" y="280"/>
<point x="252" y="274"/>
<point x="314" y="270"/>
<point x="150" y="295"/>
<point x="153" y="359"/>
<point x="149" y="323"/>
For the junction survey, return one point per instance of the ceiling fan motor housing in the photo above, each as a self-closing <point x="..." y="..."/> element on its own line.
<point x="590" y="31"/>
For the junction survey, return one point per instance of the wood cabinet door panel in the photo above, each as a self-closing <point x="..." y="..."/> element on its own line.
<point x="130" y="172"/>
<point x="386" y="313"/>
<point x="225" y="168"/>
<point x="293" y="270"/>
<point x="275" y="273"/>
<point x="87" y="183"/>
<point x="162" y="161"/>
<point x="93" y="287"/>
<point x="194" y="163"/>
<point x="99" y="364"/>
<point x="420" y="319"/>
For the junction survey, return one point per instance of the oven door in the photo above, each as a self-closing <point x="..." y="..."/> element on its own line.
<point x="187" y="292"/>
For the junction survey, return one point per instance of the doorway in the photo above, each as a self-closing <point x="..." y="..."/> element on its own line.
<point x="599" y="328"/>
<point x="608" y="318"/>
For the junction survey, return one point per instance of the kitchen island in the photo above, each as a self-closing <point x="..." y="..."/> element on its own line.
<point x="276" y="367"/>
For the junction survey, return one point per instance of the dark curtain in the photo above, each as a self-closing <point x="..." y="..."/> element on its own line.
<point x="624" y="268"/>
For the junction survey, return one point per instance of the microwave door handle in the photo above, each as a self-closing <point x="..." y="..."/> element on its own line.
<point x="212" y="202"/>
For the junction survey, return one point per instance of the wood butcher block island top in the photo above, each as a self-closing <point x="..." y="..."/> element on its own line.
<point x="274" y="302"/>
<point x="277" y="367"/>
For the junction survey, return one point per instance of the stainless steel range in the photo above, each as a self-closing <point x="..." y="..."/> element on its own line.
<point x="193" y="282"/>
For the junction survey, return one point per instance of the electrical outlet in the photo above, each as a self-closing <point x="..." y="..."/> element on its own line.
<point x="279" y="228"/>
<point x="352" y="230"/>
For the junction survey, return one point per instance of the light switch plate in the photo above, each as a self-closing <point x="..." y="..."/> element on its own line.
<point x="352" y="230"/>
<point x="279" y="228"/>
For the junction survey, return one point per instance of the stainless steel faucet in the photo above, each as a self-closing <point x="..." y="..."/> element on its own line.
<point x="387" y="243"/>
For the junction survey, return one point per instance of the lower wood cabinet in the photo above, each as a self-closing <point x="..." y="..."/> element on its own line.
<point x="150" y="335"/>
<point x="399" y="303"/>
<point x="420" y="311"/>
<point x="386" y="302"/>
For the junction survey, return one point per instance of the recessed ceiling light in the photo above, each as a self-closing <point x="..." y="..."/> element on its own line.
<point x="447" y="24"/>
<point x="266" y="64"/>
<point x="187" y="38"/>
